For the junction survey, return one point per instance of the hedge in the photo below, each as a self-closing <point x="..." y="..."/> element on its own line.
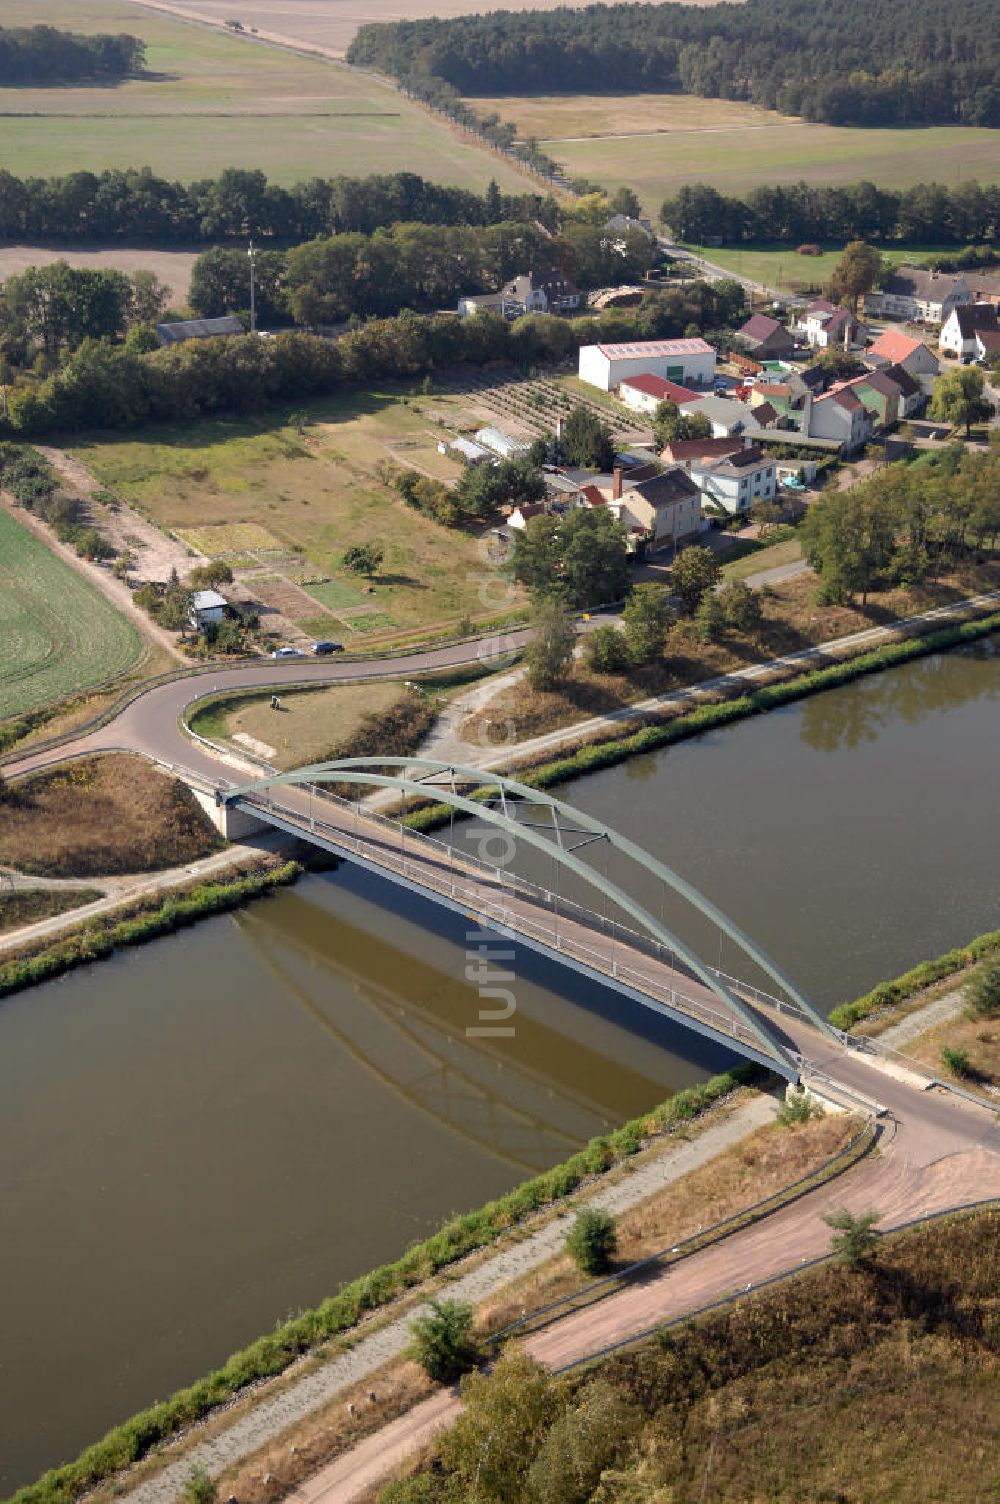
<point x="592" y="758"/>
<point x="846" y="1015"/>
<point x="94" y="940"/>
<point x="269" y="1355"/>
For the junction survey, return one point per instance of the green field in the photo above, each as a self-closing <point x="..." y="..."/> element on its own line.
<point x="656" y="142"/>
<point x="282" y="508"/>
<point x="59" y="635"/>
<point x="780" y="266"/>
<point x="214" y="100"/>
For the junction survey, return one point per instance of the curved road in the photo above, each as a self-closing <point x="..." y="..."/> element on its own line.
<point x="151" y="723"/>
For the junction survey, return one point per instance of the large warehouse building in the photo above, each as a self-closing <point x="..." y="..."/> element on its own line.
<point x="688" y="361"/>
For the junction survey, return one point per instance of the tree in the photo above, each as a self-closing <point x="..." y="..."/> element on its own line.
<point x="581" y="1444"/>
<point x="148" y="298"/>
<point x="959" y="398"/>
<point x="626" y="201"/>
<point x="854" y="1238"/>
<point x="443" y="1343"/>
<point x="647" y="618"/>
<point x="605" y="651"/>
<point x="767" y="515"/>
<point x="592" y="1241"/>
<point x="210" y="576"/>
<point x="594" y="565"/>
<point x="505" y="1417"/>
<point x="363" y="558"/>
<point x="848" y="538"/>
<point x="671" y="426"/>
<point x="695" y="571"/>
<point x="741" y="607"/>
<point x="710" y="619"/>
<point x="549" y="655"/>
<point x="587" y="441"/>
<point x="982" y="993"/>
<point x="856" y="273"/>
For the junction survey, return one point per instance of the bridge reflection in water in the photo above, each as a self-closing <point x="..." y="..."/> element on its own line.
<point x="624" y="944"/>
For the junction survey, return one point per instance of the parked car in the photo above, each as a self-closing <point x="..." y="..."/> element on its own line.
<point x="288" y="653"/>
<point x="321" y="649"/>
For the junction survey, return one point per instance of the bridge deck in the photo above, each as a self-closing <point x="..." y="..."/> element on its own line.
<point x="589" y="942"/>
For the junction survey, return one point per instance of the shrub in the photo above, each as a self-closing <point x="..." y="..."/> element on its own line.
<point x="798" y="1107"/>
<point x="592" y="1240"/>
<point x="982" y="993"/>
<point x="200" y="1487"/>
<point x="854" y="1238"/>
<point x="956" y="1061"/>
<point x="605" y="651"/>
<point x="443" y="1343"/>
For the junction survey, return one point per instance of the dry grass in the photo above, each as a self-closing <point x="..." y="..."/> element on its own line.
<point x="311" y="726"/>
<point x="750" y="1171"/>
<point x="978" y="1037"/>
<point x="101" y="816"/>
<point x="21" y="908"/>
<point x="792" y="621"/>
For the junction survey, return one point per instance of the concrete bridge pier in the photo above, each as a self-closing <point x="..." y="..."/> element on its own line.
<point x="232" y="823"/>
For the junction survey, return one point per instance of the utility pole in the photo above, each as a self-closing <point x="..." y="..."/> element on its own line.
<point x="252" y="255"/>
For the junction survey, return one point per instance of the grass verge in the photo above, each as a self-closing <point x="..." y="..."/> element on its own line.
<point x="888" y="995"/>
<point x="272" y="1353"/>
<point x="147" y="919"/>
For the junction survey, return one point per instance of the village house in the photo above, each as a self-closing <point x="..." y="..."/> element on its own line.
<point x="914" y="292"/>
<point x="896" y="348"/>
<point x="691" y="362"/>
<point x="208" y="608"/>
<point x="912" y="397"/>
<point x="549" y="293"/>
<point x="987" y="344"/>
<point x="984" y="286"/>
<point x="522" y="515"/>
<point x="960" y="328"/>
<point x="880" y="395"/>
<point x="824" y="325"/>
<point x="765" y="338"/>
<point x="839" y="415"/>
<point x="666" y="509"/>
<point x="644" y="393"/>
<point x="623" y="224"/>
<point x="688" y="452"/>
<point x="736" y="482"/>
<point x="724" y="414"/>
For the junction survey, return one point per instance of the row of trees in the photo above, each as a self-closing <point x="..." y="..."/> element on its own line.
<point x="409" y="266"/>
<point x="106" y="385"/>
<point x="133" y="205"/>
<point x="904" y="525"/>
<point x="44" y="55"/>
<point x="868" y="62"/>
<point x="962" y="213"/>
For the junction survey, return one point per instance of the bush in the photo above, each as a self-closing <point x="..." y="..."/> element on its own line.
<point x="443" y="1343"/>
<point x="798" y="1107"/>
<point x="956" y="1061"/>
<point x="854" y="1238"/>
<point x="605" y="651"/>
<point x="200" y="1487"/>
<point x="592" y="1240"/>
<point x="982" y="993"/>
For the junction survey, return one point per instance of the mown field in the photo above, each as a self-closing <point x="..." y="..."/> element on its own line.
<point x="781" y="266"/>
<point x="656" y="142"/>
<point x="214" y="100"/>
<point x="281" y="508"/>
<point x="58" y="635"/>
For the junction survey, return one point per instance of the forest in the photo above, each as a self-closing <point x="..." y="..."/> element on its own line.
<point x="865" y="62"/>
<point x="44" y="55"/>
<point x="135" y="206"/>
<point x="796" y="213"/>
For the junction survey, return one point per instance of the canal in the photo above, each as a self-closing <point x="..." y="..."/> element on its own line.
<point x="203" y="1135"/>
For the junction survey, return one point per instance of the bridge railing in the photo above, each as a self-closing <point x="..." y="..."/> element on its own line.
<point x="466" y="886"/>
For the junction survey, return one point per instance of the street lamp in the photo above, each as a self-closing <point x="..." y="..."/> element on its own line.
<point x="252" y="256"/>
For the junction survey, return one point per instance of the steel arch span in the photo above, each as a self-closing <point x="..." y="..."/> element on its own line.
<point x="559" y="833"/>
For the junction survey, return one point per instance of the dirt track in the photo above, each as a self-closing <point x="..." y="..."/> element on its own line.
<point x="926" y="1164"/>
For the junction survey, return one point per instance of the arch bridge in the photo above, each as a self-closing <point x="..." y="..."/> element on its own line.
<point x="622" y="943"/>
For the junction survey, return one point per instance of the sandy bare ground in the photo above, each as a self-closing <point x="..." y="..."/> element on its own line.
<point x="156" y="553"/>
<point x="330" y="25"/>
<point x="172" y="267"/>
